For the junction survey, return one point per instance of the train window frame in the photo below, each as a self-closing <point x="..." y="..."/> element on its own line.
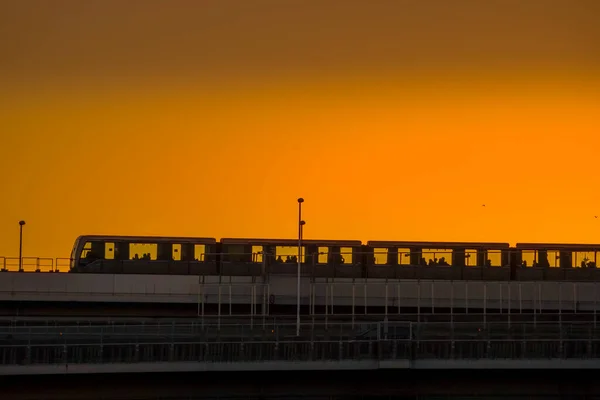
<point x="497" y="253"/>
<point x="152" y="247"/>
<point x="290" y="251"/>
<point x="438" y="253"/>
<point x="380" y="253"/>
<point x="404" y="253"/>
<point x="199" y="252"/>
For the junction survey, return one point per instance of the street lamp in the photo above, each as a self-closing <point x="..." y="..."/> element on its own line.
<point x="21" y="223"/>
<point x="300" y="225"/>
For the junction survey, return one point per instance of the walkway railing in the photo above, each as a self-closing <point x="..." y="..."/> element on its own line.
<point x="354" y="350"/>
<point x="32" y="264"/>
<point x="12" y="335"/>
<point x="506" y="320"/>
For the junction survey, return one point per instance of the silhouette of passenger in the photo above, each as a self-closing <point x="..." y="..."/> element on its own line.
<point x="279" y="259"/>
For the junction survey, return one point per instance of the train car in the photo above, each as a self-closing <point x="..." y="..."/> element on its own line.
<point x="438" y="260"/>
<point x="144" y="255"/>
<point x="318" y="258"/>
<point x="557" y="262"/>
<point x="335" y="258"/>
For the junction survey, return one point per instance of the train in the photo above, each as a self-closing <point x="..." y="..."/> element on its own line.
<point x="330" y="259"/>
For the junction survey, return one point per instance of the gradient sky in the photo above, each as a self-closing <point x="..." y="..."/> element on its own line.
<point x="395" y="120"/>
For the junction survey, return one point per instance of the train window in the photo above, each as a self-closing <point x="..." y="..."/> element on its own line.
<point x="289" y="252"/>
<point x="437" y="257"/>
<point x="380" y="255"/>
<point x="584" y="259"/>
<point x="528" y="258"/>
<point x="403" y="256"/>
<point x="109" y="251"/>
<point x="552" y="258"/>
<point x="494" y="258"/>
<point x="257" y="254"/>
<point x="143" y="251"/>
<point x="176" y="252"/>
<point x="87" y="248"/>
<point x="323" y="254"/>
<point x="471" y="258"/>
<point x="346" y="253"/>
<point x="199" y="251"/>
<point x="93" y="251"/>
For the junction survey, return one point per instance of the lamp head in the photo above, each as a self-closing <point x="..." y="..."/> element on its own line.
<point x="21" y="222"/>
<point x="302" y="222"/>
<point x="300" y="200"/>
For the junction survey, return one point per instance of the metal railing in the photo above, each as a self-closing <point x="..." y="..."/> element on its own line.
<point x="504" y="318"/>
<point x="336" y="350"/>
<point x="245" y="332"/>
<point x="28" y="264"/>
<point x="495" y="259"/>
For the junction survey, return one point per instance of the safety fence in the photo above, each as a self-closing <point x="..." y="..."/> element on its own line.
<point x="384" y="330"/>
<point x="338" y="350"/>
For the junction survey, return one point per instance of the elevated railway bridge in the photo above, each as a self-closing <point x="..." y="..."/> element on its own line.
<point x="375" y="360"/>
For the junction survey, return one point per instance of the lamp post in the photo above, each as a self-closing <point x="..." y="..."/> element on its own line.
<point x="21" y="223"/>
<point x="300" y="225"/>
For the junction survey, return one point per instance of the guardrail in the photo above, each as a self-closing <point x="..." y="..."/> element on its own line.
<point x="29" y="264"/>
<point x="21" y="335"/>
<point x="378" y="266"/>
<point x="298" y="351"/>
<point x="507" y="319"/>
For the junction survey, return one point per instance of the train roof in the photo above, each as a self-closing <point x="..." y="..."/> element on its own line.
<point x="439" y="245"/>
<point x="290" y="242"/>
<point x="558" y="246"/>
<point x="150" y="239"/>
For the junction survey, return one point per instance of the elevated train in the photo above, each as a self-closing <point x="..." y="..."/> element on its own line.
<point x="204" y="256"/>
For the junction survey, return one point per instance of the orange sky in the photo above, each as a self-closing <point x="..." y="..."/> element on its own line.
<point x="395" y="120"/>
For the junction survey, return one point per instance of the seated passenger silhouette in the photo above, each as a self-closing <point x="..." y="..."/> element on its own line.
<point x="288" y="260"/>
<point x="294" y="259"/>
<point x="443" y="261"/>
<point x="136" y="256"/>
<point x="279" y="259"/>
<point x="423" y="261"/>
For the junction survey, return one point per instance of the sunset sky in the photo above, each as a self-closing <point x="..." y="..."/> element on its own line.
<point x="394" y="119"/>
